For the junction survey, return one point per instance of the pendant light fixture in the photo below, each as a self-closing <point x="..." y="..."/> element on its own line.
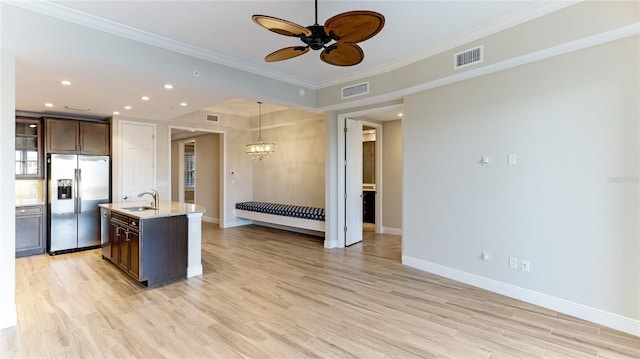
<point x="260" y="150"/>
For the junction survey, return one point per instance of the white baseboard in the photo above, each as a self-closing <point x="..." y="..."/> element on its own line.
<point x="328" y="243"/>
<point x="394" y="231"/>
<point x="210" y="220"/>
<point x="8" y="317"/>
<point x="237" y="223"/>
<point x="194" y="271"/>
<point x="595" y="315"/>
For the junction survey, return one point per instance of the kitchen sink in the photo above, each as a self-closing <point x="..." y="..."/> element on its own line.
<point x="139" y="208"/>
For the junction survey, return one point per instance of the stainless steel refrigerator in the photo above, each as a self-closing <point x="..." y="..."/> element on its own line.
<point x="77" y="184"/>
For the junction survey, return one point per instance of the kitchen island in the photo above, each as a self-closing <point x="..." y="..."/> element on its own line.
<point x="154" y="245"/>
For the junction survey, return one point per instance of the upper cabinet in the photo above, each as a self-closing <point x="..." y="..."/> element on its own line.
<point x="80" y="137"/>
<point x="28" y="157"/>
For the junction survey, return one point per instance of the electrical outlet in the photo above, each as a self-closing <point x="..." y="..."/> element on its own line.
<point x="513" y="262"/>
<point x="526" y="266"/>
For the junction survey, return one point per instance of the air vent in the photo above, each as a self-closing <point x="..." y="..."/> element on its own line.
<point x="355" y="90"/>
<point x="212" y="118"/>
<point x="468" y="57"/>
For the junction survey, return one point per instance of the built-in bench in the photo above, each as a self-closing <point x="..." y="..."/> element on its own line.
<point x="310" y="218"/>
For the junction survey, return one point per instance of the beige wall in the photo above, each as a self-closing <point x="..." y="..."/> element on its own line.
<point x="571" y="203"/>
<point x="392" y="176"/>
<point x="208" y="175"/>
<point x="175" y="171"/>
<point x="295" y="174"/>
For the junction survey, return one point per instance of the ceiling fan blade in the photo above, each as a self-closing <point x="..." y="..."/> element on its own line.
<point x="286" y="53"/>
<point x="342" y="54"/>
<point x="279" y="26"/>
<point x="354" y="26"/>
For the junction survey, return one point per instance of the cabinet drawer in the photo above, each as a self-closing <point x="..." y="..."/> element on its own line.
<point x="117" y="217"/>
<point x="133" y="223"/>
<point x="28" y="211"/>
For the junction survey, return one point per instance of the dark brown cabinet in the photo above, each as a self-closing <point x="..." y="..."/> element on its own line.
<point x="369" y="206"/>
<point x="28" y="157"/>
<point x="151" y="250"/>
<point x="30" y="229"/>
<point x="125" y="243"/>
<point x="77" y="137"/>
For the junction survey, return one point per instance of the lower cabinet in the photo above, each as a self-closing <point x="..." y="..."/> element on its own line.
<point x="151" y="250"/>
<point x="125" y="243"/>
<point x="369" y="206"/>
<point x="30" y="230"/>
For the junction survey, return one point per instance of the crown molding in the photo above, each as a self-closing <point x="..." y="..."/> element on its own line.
<point x="516" y="18"/>
<point x="568" y="47"/>
<point x="97" y="23"/>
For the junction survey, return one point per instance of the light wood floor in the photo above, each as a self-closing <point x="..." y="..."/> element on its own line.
<point x="269" y="293"/>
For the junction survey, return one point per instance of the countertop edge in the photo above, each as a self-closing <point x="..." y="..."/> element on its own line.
<point x="165" y="209"/>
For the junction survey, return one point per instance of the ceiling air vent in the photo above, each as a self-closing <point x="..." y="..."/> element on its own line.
<point x="355" y="90"/>
<point x="212" y="118"/>
<point x="468" y="57"/>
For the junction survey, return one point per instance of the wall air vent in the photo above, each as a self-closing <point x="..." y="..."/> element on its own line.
<point x="355" y="90"/>
<point x="212" y="118"/>
<point x="468" y="57"/>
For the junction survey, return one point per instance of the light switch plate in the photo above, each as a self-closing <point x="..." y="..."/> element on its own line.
<point x="512" y="159"/>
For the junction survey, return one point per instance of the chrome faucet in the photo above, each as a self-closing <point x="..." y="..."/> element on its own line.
<point x="154" y="194"/>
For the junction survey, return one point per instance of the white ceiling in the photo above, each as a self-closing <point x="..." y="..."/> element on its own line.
<point x="223" y="32"/>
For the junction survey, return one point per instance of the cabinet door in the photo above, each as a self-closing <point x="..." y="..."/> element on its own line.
<point x="94" y="138"/>
<point x="123" y="262"/>
<point x="134" y="254"/>
<point x="114" y="237"/>
<point x="62" y="136"/>
<point x="28" y="149"/>
<point x="29" y="231"/>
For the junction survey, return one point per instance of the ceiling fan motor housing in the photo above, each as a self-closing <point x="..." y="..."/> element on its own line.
<point x="318" y="37"/>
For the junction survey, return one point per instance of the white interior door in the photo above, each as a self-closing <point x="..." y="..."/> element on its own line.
<point x="137" y="151"/>
<point x="353" y="182"/>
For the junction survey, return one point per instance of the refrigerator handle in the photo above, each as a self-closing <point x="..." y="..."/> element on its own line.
<point x="79" y="189"/>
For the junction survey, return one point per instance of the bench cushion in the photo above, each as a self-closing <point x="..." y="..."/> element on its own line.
<point x="288" y="210"/>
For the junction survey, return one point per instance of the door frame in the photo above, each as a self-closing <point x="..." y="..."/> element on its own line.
<point x="181" y="145"/>
<point x="341" y="240"/>
<point x="378" y="174"/>
<point x="222" y="193"/>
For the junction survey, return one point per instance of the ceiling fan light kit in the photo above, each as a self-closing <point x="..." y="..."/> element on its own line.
<point x="337" y="39"/>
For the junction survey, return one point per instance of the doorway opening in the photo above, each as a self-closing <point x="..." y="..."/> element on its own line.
<point x="188" y="187"/>
<point x="361" y="185"/>
<point x="197" y="158"/>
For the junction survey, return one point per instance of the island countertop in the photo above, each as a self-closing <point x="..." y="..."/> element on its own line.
<point x="164" y="209"/>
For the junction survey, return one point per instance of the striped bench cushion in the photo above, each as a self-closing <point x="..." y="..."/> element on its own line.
<point x="283" y="210"/>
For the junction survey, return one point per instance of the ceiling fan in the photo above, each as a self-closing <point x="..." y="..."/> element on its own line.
<point x="346" y="29"/>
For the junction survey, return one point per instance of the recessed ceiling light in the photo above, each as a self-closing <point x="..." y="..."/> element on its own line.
<point x="65" y="82"/>
<point x="183" y="104"/>
<point x="116" y="112"/>
<point x="48" y="104"/>
<point x="127" y="107"/>
<point x="145" y="98"/>
<point x="168" y="86"/>
<point x="400" y="114"/>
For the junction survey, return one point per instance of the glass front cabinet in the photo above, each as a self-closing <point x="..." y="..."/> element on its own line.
<point x="28" y="160"/>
